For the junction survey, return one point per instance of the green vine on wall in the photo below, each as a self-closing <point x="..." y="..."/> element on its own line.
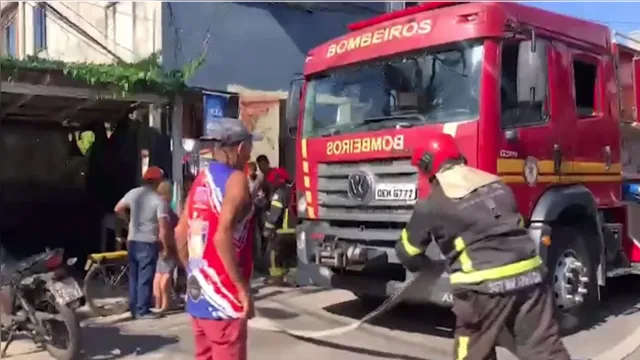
<point x="146" y="75"/>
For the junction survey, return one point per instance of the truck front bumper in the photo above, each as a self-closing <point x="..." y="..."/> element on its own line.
<point x="310" y="235"/>
<point x="420" y="292"/>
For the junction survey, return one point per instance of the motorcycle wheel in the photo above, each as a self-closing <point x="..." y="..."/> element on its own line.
<point x="71" y="325"/>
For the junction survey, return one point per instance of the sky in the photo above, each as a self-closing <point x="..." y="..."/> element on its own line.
<point x="621" y="16"/>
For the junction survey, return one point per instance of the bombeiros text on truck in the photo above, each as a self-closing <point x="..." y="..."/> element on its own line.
<point x="548" y="102"/>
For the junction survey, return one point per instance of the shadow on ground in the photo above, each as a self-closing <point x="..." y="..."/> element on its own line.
<point x="359" y="350"/>
<point x="275" y="313"/>
<point x="262" y="292"/>
<point x="622" y="298"/>
<point x="115" y="345"/>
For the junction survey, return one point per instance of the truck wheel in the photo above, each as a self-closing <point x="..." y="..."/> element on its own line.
<point x="572" y="276"/>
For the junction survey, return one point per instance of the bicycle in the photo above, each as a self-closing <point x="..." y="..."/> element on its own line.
<point x="107" y="279"/>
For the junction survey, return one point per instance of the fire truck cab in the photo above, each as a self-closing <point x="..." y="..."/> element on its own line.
<point x="546" y="101"/>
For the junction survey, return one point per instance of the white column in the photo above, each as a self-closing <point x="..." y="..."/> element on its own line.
<point x="22" y="32"/>
<point x="177" y="151"/>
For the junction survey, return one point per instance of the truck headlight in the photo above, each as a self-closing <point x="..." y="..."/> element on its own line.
<point x="302" y="205"/>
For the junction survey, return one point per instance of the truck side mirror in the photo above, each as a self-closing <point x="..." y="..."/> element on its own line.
<point x="533" y="41"/>
<point x="293" y="105"/>
<point x="532" y="72"/>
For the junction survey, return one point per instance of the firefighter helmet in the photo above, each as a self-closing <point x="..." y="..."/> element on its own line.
<point x="437" y="150"/>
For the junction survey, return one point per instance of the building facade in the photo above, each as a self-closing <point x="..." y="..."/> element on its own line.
<point x="254" y="50"/>
<point x="89" y="31"/>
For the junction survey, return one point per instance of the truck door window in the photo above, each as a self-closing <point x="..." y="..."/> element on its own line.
<point x="585" y="75"/>
<point x="523" y="84"/>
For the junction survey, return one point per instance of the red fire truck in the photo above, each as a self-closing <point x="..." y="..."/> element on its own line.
<point x="548" y="102"/>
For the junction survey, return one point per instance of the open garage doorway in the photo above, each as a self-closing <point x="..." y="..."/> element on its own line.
<point x="68" y="153"/>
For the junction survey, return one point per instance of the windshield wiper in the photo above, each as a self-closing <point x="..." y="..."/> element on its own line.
<point x="330" y="132"/>
<point x="338" y="129"/>
<point x="414" y="116"/>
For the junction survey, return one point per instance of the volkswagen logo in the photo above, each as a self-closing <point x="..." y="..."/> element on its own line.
<point x="360" y="185"/>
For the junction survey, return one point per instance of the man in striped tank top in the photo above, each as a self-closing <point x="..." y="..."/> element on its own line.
<point x="215" y="239"/>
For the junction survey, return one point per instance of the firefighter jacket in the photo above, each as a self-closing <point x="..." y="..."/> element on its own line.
<point x="481" y="234"/>
<point x="280" y="215"/>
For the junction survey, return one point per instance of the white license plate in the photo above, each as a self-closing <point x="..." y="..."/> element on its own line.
<point x="66" y="291"/>
<point x="406" y="192"/>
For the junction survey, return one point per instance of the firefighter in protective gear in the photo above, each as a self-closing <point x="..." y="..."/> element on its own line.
<point x="280" y="232"/>
<point x="496" y="275"/>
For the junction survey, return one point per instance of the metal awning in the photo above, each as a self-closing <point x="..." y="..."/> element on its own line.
<point x="52" y="97"/>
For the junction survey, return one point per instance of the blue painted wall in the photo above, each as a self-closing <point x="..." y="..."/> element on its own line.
<point x="260" y="46"/>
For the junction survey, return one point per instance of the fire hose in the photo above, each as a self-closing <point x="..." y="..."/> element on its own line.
<point x="264" y="323"/>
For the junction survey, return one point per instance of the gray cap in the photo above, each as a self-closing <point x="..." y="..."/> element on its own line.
<point x="228" y="131"/>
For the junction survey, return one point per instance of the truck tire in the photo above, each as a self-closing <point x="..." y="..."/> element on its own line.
<point x="572" y="277"/>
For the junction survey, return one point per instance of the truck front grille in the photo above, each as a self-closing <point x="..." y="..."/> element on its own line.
<point x="369" y="221"/>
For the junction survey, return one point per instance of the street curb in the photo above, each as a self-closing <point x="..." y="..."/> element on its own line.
<point x="622" y="349"/>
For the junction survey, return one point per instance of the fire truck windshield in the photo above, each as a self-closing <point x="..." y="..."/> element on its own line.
<point x="412" y="89"/>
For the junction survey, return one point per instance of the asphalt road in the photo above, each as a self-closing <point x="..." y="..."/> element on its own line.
<point x="407" y="333"/>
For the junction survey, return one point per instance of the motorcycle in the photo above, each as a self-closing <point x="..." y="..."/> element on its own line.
<point x="38" y="298"/>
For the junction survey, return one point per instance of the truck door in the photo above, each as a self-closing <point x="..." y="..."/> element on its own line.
<point x="534" y="142"/>
<point x="593" y="110"/>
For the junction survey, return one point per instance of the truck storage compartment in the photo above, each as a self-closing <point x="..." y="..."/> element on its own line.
<point x="629" y="83"/>
<point x="629" y="87"/>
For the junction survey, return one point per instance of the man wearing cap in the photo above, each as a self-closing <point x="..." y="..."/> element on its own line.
<point x="215" y="239"/>
<point x="149" y="230"/>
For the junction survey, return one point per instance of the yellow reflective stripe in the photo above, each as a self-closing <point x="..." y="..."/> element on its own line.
<point x="276" y="204"/>
<point x="285" y="222"/>
<point x="274" y="270"/>
<point x="463" y="348"/>
<point x="520" y="221"/>
<point x="269" y="225"/>
<point x="285" y="231"/>
<point x="285" y="225"/>
<point x="465" y="260"/>
<point x="408" y="248"/>
<point x="495" y="273"/>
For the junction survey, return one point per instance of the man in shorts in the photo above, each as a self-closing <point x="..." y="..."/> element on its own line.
<point x="215" y="239"/>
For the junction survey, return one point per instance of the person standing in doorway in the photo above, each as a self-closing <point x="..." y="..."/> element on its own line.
<point x="149" y="231"/>
<point x="215" y="238"/>
<point x="162" y="284"/>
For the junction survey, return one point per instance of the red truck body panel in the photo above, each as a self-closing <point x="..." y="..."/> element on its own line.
<point x="481" y="140"/>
